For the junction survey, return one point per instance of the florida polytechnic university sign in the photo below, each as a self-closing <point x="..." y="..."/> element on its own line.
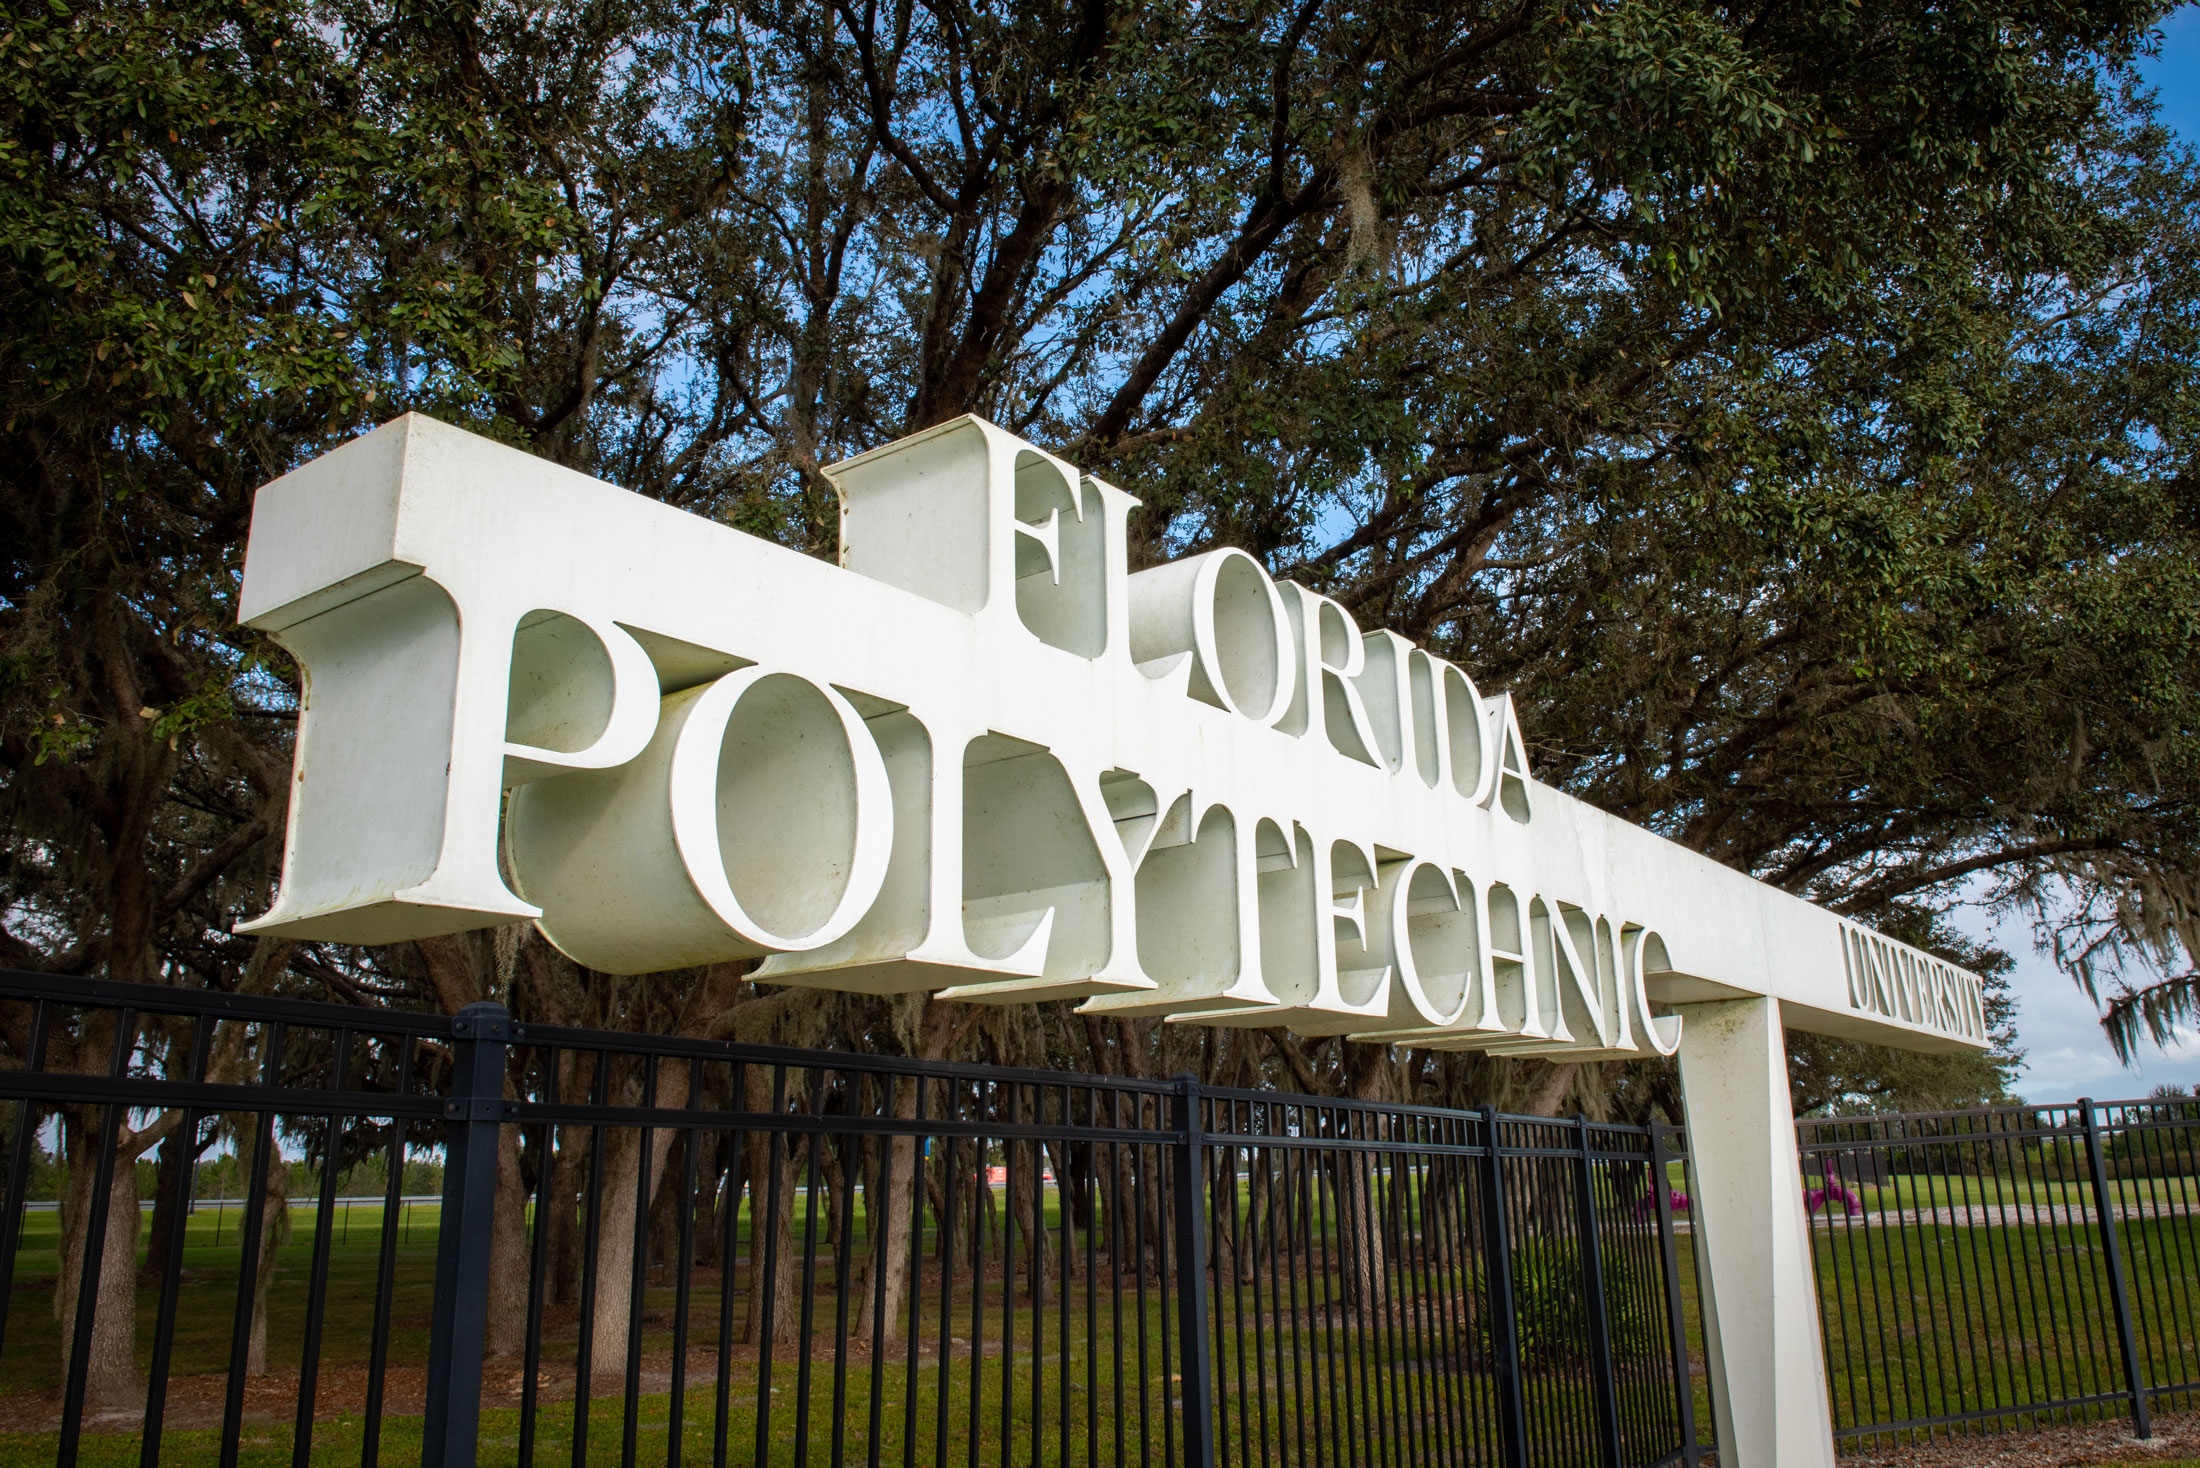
<point x="978" y="757"/>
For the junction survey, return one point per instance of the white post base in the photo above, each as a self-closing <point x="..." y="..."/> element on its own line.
<point x="1760" y="1303"/>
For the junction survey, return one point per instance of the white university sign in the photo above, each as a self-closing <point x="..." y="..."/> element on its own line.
<point x="981" y="757"/>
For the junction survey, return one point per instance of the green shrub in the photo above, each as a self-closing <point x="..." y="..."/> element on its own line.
<point x="1553" y="1317"/>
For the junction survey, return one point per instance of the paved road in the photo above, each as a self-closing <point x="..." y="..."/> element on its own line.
<point x="2005" y="1215"/>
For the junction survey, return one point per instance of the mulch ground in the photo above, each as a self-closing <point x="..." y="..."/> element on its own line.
<point x="2176" y="1435"/>
<point x="199" y="1401"/>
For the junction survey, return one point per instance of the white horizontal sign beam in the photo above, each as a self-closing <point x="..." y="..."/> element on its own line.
<point x="978" y="757"/>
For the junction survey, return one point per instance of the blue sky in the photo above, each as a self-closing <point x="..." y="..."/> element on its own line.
<point x="2066" y="1055"/>
<point x="2176" y="72"/>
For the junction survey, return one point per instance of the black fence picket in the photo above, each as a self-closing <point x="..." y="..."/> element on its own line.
<point x="1981" y="1270"/>
<point x="678" y="1250"/>
<point x="660" y="1249"/>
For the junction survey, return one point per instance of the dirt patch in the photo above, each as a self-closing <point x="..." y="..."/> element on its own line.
<point x="2071" y="1445"/>
<point x="199" y="1401"/>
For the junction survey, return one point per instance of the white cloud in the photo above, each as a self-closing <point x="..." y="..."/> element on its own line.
<point x="2059" y="1029"/>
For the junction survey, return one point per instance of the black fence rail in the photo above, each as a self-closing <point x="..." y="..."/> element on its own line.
<point x="1983" y="1269"/>
<point x="1486" y="1284"/>
<point x="687" y="1252"/>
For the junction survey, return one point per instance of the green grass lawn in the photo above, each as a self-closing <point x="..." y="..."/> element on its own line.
<point x="206" y="1298"/>
<point x="1287" y="1364"/>
<point x="1934" y="1319"/>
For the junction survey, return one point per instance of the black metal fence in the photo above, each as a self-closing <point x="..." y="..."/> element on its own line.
<point x="1985" y="1269"/>
<point x="684" y="1251"/>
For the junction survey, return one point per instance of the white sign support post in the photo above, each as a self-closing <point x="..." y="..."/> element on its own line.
<point x="1757" y="1292"/>
<point x="981" y="758"/>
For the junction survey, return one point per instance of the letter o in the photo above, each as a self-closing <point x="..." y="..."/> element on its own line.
<point x="758" y="820"/>
<point x="1222" y="608"/>
<point x="761" y="796"/>
<point x="1243" y="636"/>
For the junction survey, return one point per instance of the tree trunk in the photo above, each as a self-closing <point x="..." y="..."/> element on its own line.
<point x="274" y="1231"/>
<point x="772" y="1273"/>
<point x="1027" y="1212"/>
<point x="890" y="1215"/>
<point x="831" y="1180"/>
<point x="621" y="1238"/>
<point x="935" y="1194"/>
<point x="1260" y="1220"/>
<point x="1074" y="1186"/>
<point x="568" y="1165"/>
<point x="1152" y="1168"/>
<point x="615" y="1242"/>
<point x="1359" y="1206"/>
<point x="176" y="1154"/>
<point x="985" y="1210"/>
<point x="111" y="1385"/>
<point x="1550" y="1092"/>
<point x="1548" y="1202"/>
<point x="663" y="1236"/>
<point x="1367" y="1274"/>
<point x="506" y="1332"/>
<point x="715" y="1152"/>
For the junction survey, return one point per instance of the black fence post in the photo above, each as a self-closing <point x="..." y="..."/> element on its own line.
<point x="1512" y="1407"/>
<point x="1684" y="1389"/>
<point x="1592" y="1287"/>
<point x="1193" y="1337"/>
<point x="2105" y="1210"/>
<point x="473" y="1112"/>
